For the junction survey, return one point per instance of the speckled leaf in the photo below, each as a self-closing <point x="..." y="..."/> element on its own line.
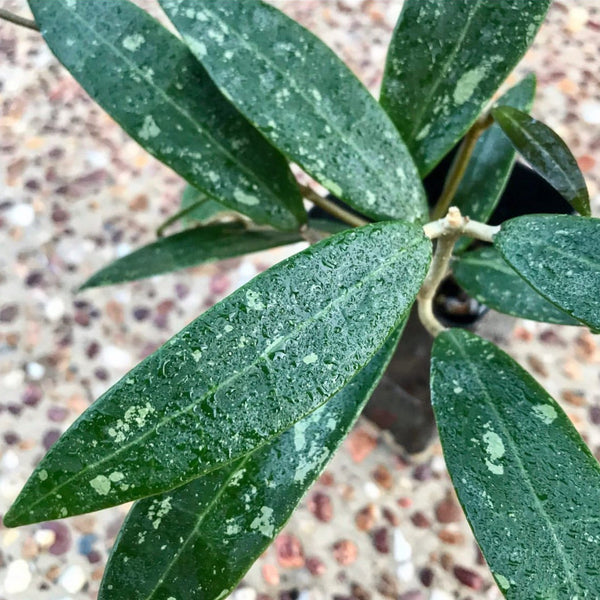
<point x="205" y="210"/>
<point x="302" y="98"/>
<point x="560" y="257"/>
<point x="545" y="151"/>
<point x="491" y="164"/>
<point x="446" y="60"/>
<point x="528" y="484"/>
<point x="487" y="277"/>
<point x="236" y="377"/>
<point x="188" y="248"/>
<point x="147" y="81"/>
<point x="200" y="539"/>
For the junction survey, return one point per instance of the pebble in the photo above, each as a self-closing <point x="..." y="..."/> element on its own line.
<point x="448" y="511"/>
<point x="381" y="540"/>
<point x="451" y="536"/>
<point x="44" y="538"/>
<point x="371" y="490"/>
<point x="18" y="577"/>
<point x="315" y="566"/>
<point x="365" y="518"/>
<point x="405" y="571"/>
<point x="54" y="309"/>
<point x="420" y="519"/>
<point x="62" y="540"/>
<point x="290" y="554"/>
<point x="270" y="574"/>
<point x="345" y="552"/>
<point x="321" y="506"/>
<point x="21" y="215"/>
<point x="10" y="460"/>
<point x="383" y="477"/>
<point x="402" y="549"/>
<point x="468" y="577"/>
<point x="114" y="357"/>
<point x="360" y="444"/>
<point x="590" y="112"/>
<point x="437" y="594"/>
<point x="35" y="371"/>
<point x="73" y="579"/>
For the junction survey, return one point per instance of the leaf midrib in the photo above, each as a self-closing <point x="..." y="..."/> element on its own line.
<point x="197" y="125"/>
<point x="228" y="380"/>
<point x="315" y="107"/>
<point x="425" y="106"/>
<point x="566" y="563"/>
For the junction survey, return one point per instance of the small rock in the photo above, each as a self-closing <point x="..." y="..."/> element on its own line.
<point x="18" y="577"/>
<point x="327" y="479"/>
<point x="383" y="477"/>
<point x="451" y="536"/>
<point x="574" y="398"/>
<point x="381" y="540"/>
<point x="413" y="595"/>
<point x="595" y="414"/>
<point x="422" y="472"/>
<point x="405" y="571"/>
<point x="537" y="365"/>
<point x="321" y="506"/>
<point x="371" y="490"/>
<point x="244" y="593"/>
<point x="590" y="112"/>
<point x="270" y="574"/>
<point x="402" y="549"/>
<point x="315" y="566"/>
<point x="360" y="444"/>
<point x="387" y="585"/>
<point x="20" y="215"/>
<point x="419" y="519"/>
<point x="62" y="539"/>
<point x="290" y="554"/>
<point x="44" y="538"/>
<point x="139" y="203"/>
<point x="468" y="577"/>
<point x="50" y="437"/>
<point x="30" y="548"/>
<point x="359" y="592"/>
<point x="390" y="516"/>
<point x="54" y="309"/>
<point x="426" y="576"/>
<point x="437" y="594"/>
<point x="32" y="395"/>
<point x="405" y="502"/>
<point x="8" y="312"/>
<point x="73" y="579"/>
<point x="448" y="511"/>
<point x="345" y="552"/>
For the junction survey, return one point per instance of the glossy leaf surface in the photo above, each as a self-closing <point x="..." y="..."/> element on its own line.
<point x="215" y="527"/>
<point x="205" y="211"/>
<point x="488" y="278"/>
<point x="281" y="346"/>
<point x="529" y="485"/>
<point x="147" y="81"/>
<point x="559" y="255"/>
<point x="545" y="151"/>
<point x="491" y="163"/>
<point x="188" y="248"/>
<point x="445" y="61"/>
<point x="301" y="96"/>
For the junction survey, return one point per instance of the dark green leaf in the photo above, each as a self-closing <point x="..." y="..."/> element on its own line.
<point x="188" y="248"/>
<point x="545" y="151"/>
<point x="559" y="256"/>
<point x="147" y="80"/>
<point x="491" y="164"/>
<point x="236" y="377"/>
<point x="215" y="527"/>
<point x="486" y="276"/>
<point x="527" y="482"/>
<point x="299" y="94"/>
<point x="446" y="60"/>
<point x="205" y="210"/>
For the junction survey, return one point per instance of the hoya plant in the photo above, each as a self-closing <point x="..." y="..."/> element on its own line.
<point x="219" y="433"/>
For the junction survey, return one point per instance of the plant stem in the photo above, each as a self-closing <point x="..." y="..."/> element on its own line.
<point x="173" y="218"/>
<point x="8" y="16"/>
<point x="446" y="231"/>
<point x="459" y="165"/>
<point x="333" y="209"/>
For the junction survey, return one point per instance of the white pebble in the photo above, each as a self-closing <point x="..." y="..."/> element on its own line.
<point x="54" y="309"/>
<point x="18" y="577"/>
<point x="115" y="357"/>
<point x="372" y="491"/>
<point x="590" y="112"/>
<point x="44" y="538"/>
<point x="123" y="249"/>
<point x="10" y="460"/>
<point x="14" y="379"/>
<point x="35" y="371"/>
<point x="402" y="549"/>
<point x="245" y="593"/>
<point x="405" y="571"/>
<point x="73" y="579"/>
<point x="21" y="215"/>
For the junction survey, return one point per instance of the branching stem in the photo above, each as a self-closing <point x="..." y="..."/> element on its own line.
<point x="160" y="231"/>
<point x="333" y="209"/>
<point x="17" y="20"/>
<point x="446" y="231"/>
<point x="459" y="166"/>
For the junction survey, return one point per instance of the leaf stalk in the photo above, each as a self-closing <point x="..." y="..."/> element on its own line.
<point x="333" y="209"/>
<point x="6" y="15"/>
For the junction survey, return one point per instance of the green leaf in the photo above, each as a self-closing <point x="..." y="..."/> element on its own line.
<point x="528" y="484"/>
<point x="189" y="248"/>
<point x="147" y="80"/>
<point x="215" y="527"/>
<point x="445" y="61"/>
<point x="205" y="210"/>
<point x="545" y="151"/>
<point x="559" y="256"/>
<point x="303" y="99"/>
<point x="491" y="164"/>
<point x="486" y="276"/>
<point x="236" y="377"/>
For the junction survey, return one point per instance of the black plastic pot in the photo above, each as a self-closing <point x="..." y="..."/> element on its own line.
<point x="401" y="403"/>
